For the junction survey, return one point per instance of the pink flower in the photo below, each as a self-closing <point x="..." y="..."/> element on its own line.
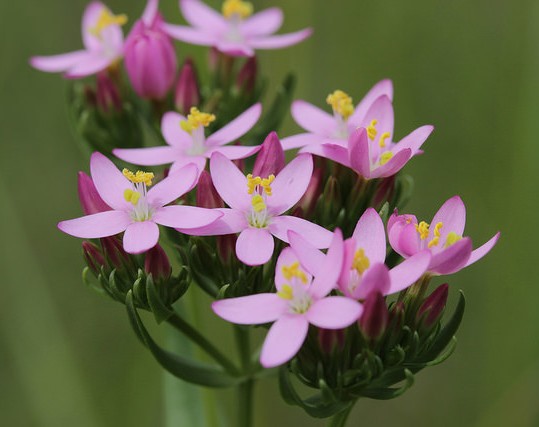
<point x="103" y="42"/>
<point x="150" y="58"/>
<point x="443" y="237"/>
<point x="188" y="144"/>
<point x="235" y="32"/>
<point x="136" y="210"/>
<point x="257" y="206"/>
<point x="363" y="269"/>
<point x="300" y="300"/>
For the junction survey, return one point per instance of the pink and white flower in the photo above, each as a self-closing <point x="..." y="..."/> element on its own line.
<point x="103" y="41"/>
<point x="234" y="32"/>
<point x="443" y="237"/>
<point x="300" y="300"/>
<point x="187" y="142"/>
<point x="135" y="209"/>
<point x="257" y="206"/>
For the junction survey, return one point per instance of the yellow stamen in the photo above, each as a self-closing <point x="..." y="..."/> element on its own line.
<point x="423" y="229"/>
<point x="383" y="138"/>
<point x="196" y="119"/>
<point x="106" y="19"/>
<point x="341" y="103"/>
<point x="451" y="239"/>
<point x="293" y="270"/>
<point x="436" y="239"/>
<point x="258" y="203"/>
<point x="131" y="196"/>
<point x="240" y="8"/>
<point x="139" y="176"/>
<point x="265" y="183"/>
<point x="361" y="263"/>
<point x="385" y="157"/>
<point x="371" y="130"/>
<point x="286" y="292"/>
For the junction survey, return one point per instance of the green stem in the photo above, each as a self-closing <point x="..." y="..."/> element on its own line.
<point x="245" y="389"/>
<point x="185" y="328"/>
<point x="339" y="420"/>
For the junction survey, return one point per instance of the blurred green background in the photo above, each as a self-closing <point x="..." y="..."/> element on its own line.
<point x="471" y="68"/>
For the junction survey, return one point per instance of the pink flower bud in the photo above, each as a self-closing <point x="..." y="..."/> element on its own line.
<point x="187" y="92"/>
<point x="308" y="202"/>
<point x="90" y="200"/>
<point x="329" y="339"/>
<point x="375" y="317"/>
<point x="157" y="263"/>
<point x="226" y="247"/>
<point x="270" y="158"/>
<point x="150" y="59"/>
<point x="115" y="254"/>
<point x="207" y="196"/>
<point x="107" y="95"/>
<point x="246" y="80"/>
<point x="432" y="308"/>
<point x="93" y="257"/>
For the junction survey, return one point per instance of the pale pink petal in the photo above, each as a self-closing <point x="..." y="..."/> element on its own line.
<point x="254" y="246"/>
<point x="313" y="119"/>
<point x="314" y="234"/>
<point x="408" y="271"/>
<point x="91" y="64"/>
<point x="481" y="251"/>
<point x="231" y="222"/>
<point x="329" y="272"/>
<point x="89" y="21"/>
<point x="407" y="241"/>
<point x="109" y="182"/>
<point x="250" y="310"/>
<point x="175" y="185"/>
<point x="334" y="152"/>
<point x="237" y="127"/>
<point x="198" y="14"/>
<point x="349" y="251"/>
<point x="279" y="41"/>
<point x="452" y="214"/>
<point x="173" y="133"/>
<point x="58" y="63"/>
<point x="262" y="23"/>
<point x="151" y="156"/>
<point x="395" y="164"/>
<point x="414" y="140"/>
<point x="229" y="182"/>
<point x="370" y="236"/>
<point x="90" y="200"/>
<point x="97" y="225"/>
<point x="376" y="278"/>
<point x="380" y="110"/>
<point x="234" y="152"/>
<point x="150" y="12"/>
<point x="334" y="312"/>
<point x="290" y="184"/>
<point x="185" y="217"/>
<point x="287" y="257"/>
<point x="453" y="258"/>
<point x="301" y="140"/>
<point x="359" y="153"/>
<point x="181" y="162"/>
<point x="284" y="339"/>
<point x="189" y="35"/>
<point x="140" y="237"/>
<point x="234" y="48"/>
<point x="309" y="257"/>
<point x="384" y="87"/>
<point x="396" y="219"/>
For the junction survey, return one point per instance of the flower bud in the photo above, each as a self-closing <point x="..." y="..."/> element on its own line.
<point x="270" y="158"/>
<point x="308" y="201"/>
<point x="226" y="247"/>
<point x="246" y="80"/>
<point x="397" y="316"/>
<point x="107" y="95"/>
<point x="150" y="58"/>
<point x="187" y="93"/>
<point x="157" y="263"/>
<point x="93" y="257"/>
<point x="375" y="318"/>
<point x="207" y="196"/>
<point x="330" y="339"/>
<point x="432" y="308"/>
<point x="90" y="200"/>
<point x="115" y="254"/>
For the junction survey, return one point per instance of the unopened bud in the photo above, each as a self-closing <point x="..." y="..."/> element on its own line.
<point x="330" y="339"/>
<point x="213" y="58"/>
<point x="115" y="254"/>
<point x="246" y="79"/>
<point x="432" y="308"/>
<point x="207" y="196"/>
<point x="157" y="263"/>
<point x="107" y="95"/>
<point x="187" y="93"/>
<point x="90" y="200"/>
<point x="308" y="202"/>
<point x="226" y="247"/>
<point x="375" y="318"/>
<point x="93" y="257"/>
<point x="270" y="158"/>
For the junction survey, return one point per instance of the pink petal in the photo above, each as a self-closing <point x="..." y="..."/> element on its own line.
<point x="234" y="152"/>
<point x="384" y="87"/>
<point x="314" y="234"/>
<point x="58" y="63"/>
<point x="175" y="185"/>
<point x="150" y="12"/>
<point x="229" y="182"/>
<point x="284" y="340"/>
<point x="180" y="163"/>
<point x="301" y="140"/>
<point x="481" y="251"/>
<point x="376" y="278"/>
<point x="286" y="258"/>
<point x="313" y="119"/>
<point x="254" y="246"/>
<point x="453" y="216"/>
<point x="329" y="272"/>
<point x="91" y="64"/>
<point x="334" y="152"/>
<point x="89" y="21"/>
<point x="90" y="200"/>
<point x="453" y="258"/>
<point x="334" y="312"/>
<point x="415" y="140"/>
<point x="172" y="131"/>
<point x="102" y="224"/>
<point x="279" y="41"/>
<point x="109" y="182"/>
<point x="309" y="257"/>
<point x="190" y="35"/>
<point x="185" y="217"/>
<point x="231" y="222"/>
<point x="395" y="164"/>
<point x="234" y="48"/>
<point x="250" y="310"/>
<point x="262" y="23"/>
<point x="359" y="153"/>
<point x="140" y="236"/>
<point x="382" y="111"/>
<point x="408" y="241"/>
<point x="237" y="127"/>
<point x="198" y="14"/>
<point x="290" y="184"/>
<point x="349" y="251"/>
<point x="151" y="156"/>
<point x="370" y="235"/>
<point x="408" y="271"/>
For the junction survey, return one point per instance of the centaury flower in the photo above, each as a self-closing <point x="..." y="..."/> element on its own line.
<point x="300" y="300"/>
<point x="188" y="144"/>
<point x="103" y="41"/>
<point x="236" y="31"/>
<point x="135" y="209"/>
<point x="443" y="237"/>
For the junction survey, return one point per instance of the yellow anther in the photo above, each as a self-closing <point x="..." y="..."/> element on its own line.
<point x="385" y="157"/>
<point x="196" y="119"/>
<point x="383" y="138"/>
<point x="139" y="176"/>
<point x="131" y="196"/>
<point x="286" y="292"/>
<point x="258" y="203"/>
<point x="106" y="19"/>
<point x="341" y="103"/>
<point x="451" y="239"/>
<point x="255" y="181"/>
<point x="361" y="263"/>
<point x="371" y="130"/>
<point x="436" y="239"/>
<point x="240" y="8"/>
<point x="423" y="229"/>
<point x="293" y="270"/>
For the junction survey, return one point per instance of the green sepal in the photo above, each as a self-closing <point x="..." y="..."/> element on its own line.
<point x="387" y="393"/>
<point x="160" y="311"/>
